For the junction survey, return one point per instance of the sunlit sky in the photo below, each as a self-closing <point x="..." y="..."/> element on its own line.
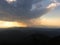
<point x="52" y="18"/>
<point x="9" y="24"/>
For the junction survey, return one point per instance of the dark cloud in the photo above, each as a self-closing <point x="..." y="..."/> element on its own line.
<point x="20" y="10"/>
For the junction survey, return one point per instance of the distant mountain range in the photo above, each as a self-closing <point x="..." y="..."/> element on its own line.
<point x="38" y="36"/>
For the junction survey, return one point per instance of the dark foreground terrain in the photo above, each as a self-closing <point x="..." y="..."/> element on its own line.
<point x="30" y="36"/>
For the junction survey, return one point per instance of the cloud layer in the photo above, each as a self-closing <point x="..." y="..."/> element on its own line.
<point x="24" y="10"/>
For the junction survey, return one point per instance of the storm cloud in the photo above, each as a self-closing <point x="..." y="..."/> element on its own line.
<point x="20" y="9"/>
<point x="23" y="10"/>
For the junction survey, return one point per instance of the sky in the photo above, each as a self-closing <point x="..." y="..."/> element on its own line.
<point x="34" y="13"/>
<point x="52" y="18"/>
<point x="54" y="13"/>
